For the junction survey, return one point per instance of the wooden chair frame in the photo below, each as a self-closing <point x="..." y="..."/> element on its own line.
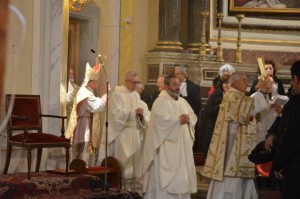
<point x="26" y="121"/>
<point x="113" y="170"/>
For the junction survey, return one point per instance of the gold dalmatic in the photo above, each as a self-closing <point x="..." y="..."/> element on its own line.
<point x="236" y="108"/>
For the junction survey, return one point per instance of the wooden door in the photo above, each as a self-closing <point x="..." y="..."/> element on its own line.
<point x="73" y="48"/>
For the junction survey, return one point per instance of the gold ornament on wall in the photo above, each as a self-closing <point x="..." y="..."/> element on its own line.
<point x="76" y="5"/>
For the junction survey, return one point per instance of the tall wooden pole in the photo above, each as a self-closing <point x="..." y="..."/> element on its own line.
<point x="3" y="33"/>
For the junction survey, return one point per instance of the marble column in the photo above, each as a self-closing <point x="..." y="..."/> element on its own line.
<point x="195" y="24"/>
<point x="169" y="26"/>
<point x="47" y="71"/>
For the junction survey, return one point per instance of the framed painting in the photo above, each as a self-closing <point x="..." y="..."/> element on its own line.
<point x="265" y="6"/>
<point x="209" y="74"/>
<point x="260" y="19"/>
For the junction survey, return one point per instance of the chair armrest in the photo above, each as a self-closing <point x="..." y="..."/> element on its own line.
<point x="54" y="116"/>
<point x="22" y="117"/>
<point x="25" y="118"/>
<point x="62" y="128"/>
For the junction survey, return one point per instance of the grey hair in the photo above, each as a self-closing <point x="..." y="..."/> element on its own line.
<point x="236" y="76"/>
<point x="140" y="85"/>
<point x="183" y="69"/>
<point x="129" y="74"/>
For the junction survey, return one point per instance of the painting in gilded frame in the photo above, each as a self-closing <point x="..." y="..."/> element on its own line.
<point x="265" y="6"/>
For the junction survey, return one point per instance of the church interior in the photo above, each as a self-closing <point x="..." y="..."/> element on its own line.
<point x="41" y="40"/>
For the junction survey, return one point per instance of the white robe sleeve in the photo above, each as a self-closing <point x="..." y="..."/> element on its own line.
<point x="70" y="94"/>
<point x="260" y="103"/>
<point x="94" y="104"/>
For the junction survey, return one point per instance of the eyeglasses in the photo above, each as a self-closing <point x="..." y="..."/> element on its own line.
<point x="133" y="82"/>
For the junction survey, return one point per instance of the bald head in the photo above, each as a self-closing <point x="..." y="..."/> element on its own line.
<point x="239" y="82"/>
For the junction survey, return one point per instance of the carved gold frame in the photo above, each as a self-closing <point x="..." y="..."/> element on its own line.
<point x="233" y="7"/>
<point x="223" y="6"/>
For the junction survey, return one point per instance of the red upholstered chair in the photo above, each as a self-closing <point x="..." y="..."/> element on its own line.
<point x="26" y="117"/>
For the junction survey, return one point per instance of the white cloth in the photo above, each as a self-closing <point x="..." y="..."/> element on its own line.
<point x="155" y="189"/>
<point x="125" y="131"/>
<point x="72" y="91"/>
<point x="266" y="119"/>
<point x="70" y="98"/>
<point x="168" y="164"/>
<point x="183" y="90"/>
<point x="266" y="115"/>
<point x="232" y="188"/>
<point x="226" y="68"/>
<point x="84" y="110"/>
<point x="260" y="103"/>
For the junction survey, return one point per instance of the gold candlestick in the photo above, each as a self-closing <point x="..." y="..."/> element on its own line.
<point x="219" y="49"/>
<point x="202" y="51"/>
<point x="238" y="52"/>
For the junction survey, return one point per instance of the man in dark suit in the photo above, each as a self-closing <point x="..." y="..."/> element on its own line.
<point x="191" y="92"/>
<point x="286" y="162"/>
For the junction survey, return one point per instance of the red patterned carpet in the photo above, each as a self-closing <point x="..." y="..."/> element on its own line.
<point x="46" y="185"/>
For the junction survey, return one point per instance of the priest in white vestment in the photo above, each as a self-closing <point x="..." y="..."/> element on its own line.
<point x="234" y="137"/>
<point x="266" y="117"/>
<point x="168" y="164"/>
<point x="128" y="117"/>
<point x="85" y="143"/>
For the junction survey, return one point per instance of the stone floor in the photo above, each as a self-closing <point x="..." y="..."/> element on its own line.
<point x="264" y="191"/>
<point x="203" y="184"/>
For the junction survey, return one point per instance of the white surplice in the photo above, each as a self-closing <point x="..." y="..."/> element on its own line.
<point x="125" y="131"/>
<point x="168" y="164"/>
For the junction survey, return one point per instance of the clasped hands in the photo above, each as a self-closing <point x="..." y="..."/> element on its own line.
<point x="184" y="119"/>
<point x="139" y="112"/>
